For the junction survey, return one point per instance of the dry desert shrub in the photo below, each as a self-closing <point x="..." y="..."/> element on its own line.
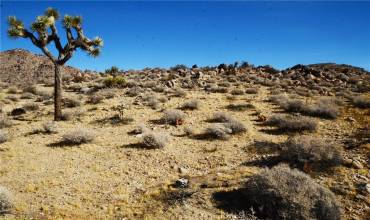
<point x="71" y="102"/>
<point x="284" y="193"/>
<point x="314" y="152"/>
<point x="218" y="89"/>
<point x="237" y="92"/>
<point x="5" y="122"/>
<point x="31" y="106"/>
<point x="252" y="91"/>
<point x="240" y="107"/>
<point x="6" y="201"/>
<point x="71" y="114"/>
<point x="27" y="95"/>
<point x="217" y="131"/>
<point x="95" y="99"/>
<point x="323" y="108"/>
<point x="134" y="91"/>
<point x="191" y="105"/>
<point x="44" y="95"/>
<point x="173" y="117"/>
<point x="361" y="101"/>
<point x="50" y="127"/>
<point x="78" y="136"/>
<point x="178" y="92"/>
<point x="107" y="93"/>
<point x="154" y="140"/>
<point x="221" y="117"/>
<point x="13" y="98"/>
<point x="3" y="137"/>
<point x="292" y="123"/>
<point x="12" y="90"/>
<point x="30" y="89"/>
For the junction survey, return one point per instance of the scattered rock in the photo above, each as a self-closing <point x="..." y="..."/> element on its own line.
<point x="182" y="183"/>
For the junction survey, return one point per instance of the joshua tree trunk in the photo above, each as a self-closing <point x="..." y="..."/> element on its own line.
<point x="57" y="93"/>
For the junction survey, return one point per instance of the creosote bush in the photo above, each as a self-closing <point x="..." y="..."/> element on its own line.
<point x="78" y="136"/>
<point x="173" y="117"/>
<point x="154" y="140"/>
<point x="6" y="201"/>
<point x="283" y="193"/>
<point x="117" y="81"/>
<point x="312" y="151"/>
<point x="292" y="123"/>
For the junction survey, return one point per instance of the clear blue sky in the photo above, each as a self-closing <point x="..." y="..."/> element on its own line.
<point x="152" y="34"/>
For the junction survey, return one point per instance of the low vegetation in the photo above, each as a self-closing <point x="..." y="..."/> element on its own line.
<point x="308" y="152"/>
<point x="283" y="193"/>
<point x="153" y="140"/>
<point x="78" y="136"/>
<point x="292" y="123"/>
<point x="6" y="201"/>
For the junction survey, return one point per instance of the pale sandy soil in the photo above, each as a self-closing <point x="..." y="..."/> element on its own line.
<point x="110" y="179"/>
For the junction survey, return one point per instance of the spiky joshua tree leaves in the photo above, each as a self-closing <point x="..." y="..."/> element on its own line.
<point x="45" y="28"/>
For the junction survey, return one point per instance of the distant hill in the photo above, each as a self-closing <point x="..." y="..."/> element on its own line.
<point x="20" y="66"/>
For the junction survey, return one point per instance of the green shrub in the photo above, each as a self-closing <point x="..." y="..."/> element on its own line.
<point x="116" y="81"/>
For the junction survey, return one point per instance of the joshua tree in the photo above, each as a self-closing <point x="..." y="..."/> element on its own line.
<point x="46" y="30"/>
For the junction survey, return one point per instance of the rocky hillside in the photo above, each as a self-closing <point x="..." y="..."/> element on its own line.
<point x="20" y="66"/>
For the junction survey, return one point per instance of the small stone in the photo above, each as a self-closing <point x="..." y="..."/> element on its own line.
<point x="356" y="164"/>
<point x="182" y="183"/>
<point x="182" y="170"/>
<point x="367" y="188"/>
<point x="350" y="119"/>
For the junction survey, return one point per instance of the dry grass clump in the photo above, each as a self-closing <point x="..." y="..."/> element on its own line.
<point x="361" y="101"/>
<point x="154" y="140"/>
<point x="252" y="91"/>
<point x="107" y="93"/>
<point x="292" y="123"/>
<point x="178" y="92"/>
<point x="217" y="131"/>
<point x="227" y="126"/>
<point x="71" y="102"/>
<point x="50" y="127"/>
<point x="27" y="95"/>
<point x="3" y="137"/>
<point x="173" y="117"/>
<point x="95" y="99"/>
<point x="6" y="201"/>
<point x="191" y="105"/>
<point x="240" y="107"/>
<point x="311" y="152"/>
<point x="13" y="98"/>
<point x="5" y="122"/>
<point x="31" y="106"/>
<point x="69" y="115"/>
<point x="221" y="117"/>
<point x="217" y="89"/>
<point x="237" y="92"/>
<point x="324" y="108"/>
<point x="30" y="89"/>
<point x="283" y="193"/>
<point x="134" y="91"/>
<point x="12" y="90"/>
<point x="78" y="136"/>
